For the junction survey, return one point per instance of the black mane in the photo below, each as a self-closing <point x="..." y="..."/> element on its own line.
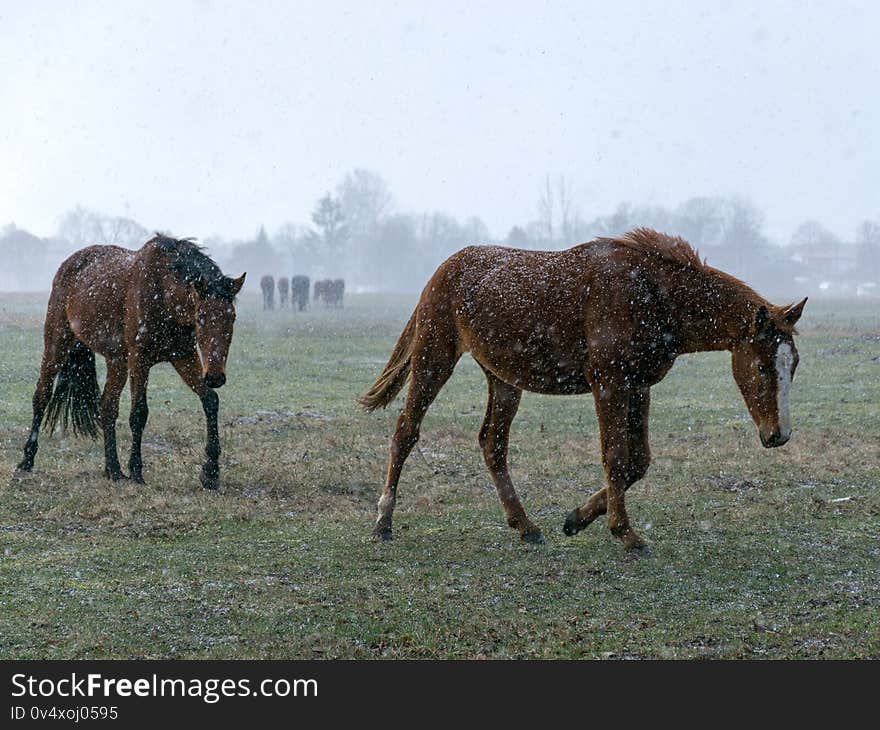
<point x="193" y="266"/>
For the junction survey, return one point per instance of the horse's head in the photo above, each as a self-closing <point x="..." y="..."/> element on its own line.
<point x="763" y="367"/>
<point x="215" y="317"/>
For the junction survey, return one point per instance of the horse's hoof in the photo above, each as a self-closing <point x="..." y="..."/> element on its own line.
<point x="572" y="524"/>
<point x="536" y="538"/>
<point x="209" y="476"/>
<point x="137" y="479"/>
<point x="25" y="466"/>
<point x="382" y="534"/>
<point x="115" y="476"/>
<point x="638" y="551"/>
<point x="210" y="483"/>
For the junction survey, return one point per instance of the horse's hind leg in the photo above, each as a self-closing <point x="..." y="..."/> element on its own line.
<point x="432" y="364"/>
<point x="58" y="340"/>
<point x="117" y="374"/>
<point x="501" y="409"/>
<point x="638" y="458"/>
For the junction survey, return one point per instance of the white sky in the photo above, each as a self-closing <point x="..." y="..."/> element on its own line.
<point x="213" y="117"/>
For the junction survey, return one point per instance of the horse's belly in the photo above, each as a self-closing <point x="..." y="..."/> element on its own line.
<point x="549" y="373"/>
<point x="560" y="383"/>
<point x="103" y="336"/>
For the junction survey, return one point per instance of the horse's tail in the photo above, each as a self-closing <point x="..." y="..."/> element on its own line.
<point x="396" y="372"/>
<point x="75" y="399"/>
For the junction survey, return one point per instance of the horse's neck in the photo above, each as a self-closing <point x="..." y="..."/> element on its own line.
<point x="715" y="311"/>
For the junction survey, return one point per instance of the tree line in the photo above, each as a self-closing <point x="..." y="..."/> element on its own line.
<point x="356" y="232"/>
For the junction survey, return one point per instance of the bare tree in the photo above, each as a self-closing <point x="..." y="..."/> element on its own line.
<point x="330" y="221"/>
<point x="868" y="250"/>
<point x="257" y="256"/>
<point x="23" y="260"/>
<point x="700" y="220"/>
<point x="517" y="237"/>
<point x="567" y="213"/>
<point x="741" y="233"/>
<point x="812" y="233"/>
<point x="365" y="199"/>
<point x="84" y="227"/>
<point x="546" y="206"/>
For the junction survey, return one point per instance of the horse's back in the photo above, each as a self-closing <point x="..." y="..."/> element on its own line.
<point x="92" y="261"/>
<point x="540" y="319"/>
<point x="516" y="311"/>
<point x="89" y="292"/>
<point x="497" y="279"/>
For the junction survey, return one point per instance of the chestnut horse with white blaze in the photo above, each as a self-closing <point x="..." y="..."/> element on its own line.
<point x="608" y="317"/>
<point x="167" y="302"/>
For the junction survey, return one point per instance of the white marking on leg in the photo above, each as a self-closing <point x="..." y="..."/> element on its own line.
<point x="784" y="361"/>
<point x="386" y="504"/>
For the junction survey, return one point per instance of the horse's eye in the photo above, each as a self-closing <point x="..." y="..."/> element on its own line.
<point x="763" y="369"/>
<point x="202" y="320"/>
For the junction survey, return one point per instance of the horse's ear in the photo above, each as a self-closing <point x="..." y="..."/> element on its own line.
<point x="790" y="315"/>
<point x="238" y="283"/>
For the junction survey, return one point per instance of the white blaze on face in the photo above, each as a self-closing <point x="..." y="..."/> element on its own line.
<point x="784" y="361"/>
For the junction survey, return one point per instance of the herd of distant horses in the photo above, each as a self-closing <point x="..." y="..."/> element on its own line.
<point x="296" y="291"/>
<point x="608" y="317"/>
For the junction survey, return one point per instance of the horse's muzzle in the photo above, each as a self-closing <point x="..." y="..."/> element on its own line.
<point x="215" y="381"/>
<point x="774" y="439"/>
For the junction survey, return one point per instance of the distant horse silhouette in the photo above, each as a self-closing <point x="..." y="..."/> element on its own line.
<point x="607" y="317"/>
<point x="337" y="292"/>
<point x="330" y="291"/>
<point x="267" y="286"/>
<point x="283" y="290"/>
<point x="320" y="289"/>
<point x="325" y="291"/>
<point x="299" y="291"/>
<point x="167" y="302"/>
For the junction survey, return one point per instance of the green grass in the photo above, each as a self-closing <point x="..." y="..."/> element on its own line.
<point x="752" y="555"/>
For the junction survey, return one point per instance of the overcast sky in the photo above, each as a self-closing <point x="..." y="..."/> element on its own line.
<point x="214" y="117"/>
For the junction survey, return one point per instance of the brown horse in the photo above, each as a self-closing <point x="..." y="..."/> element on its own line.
<point x="167" y="302"/>
<point x="608" y="317"/>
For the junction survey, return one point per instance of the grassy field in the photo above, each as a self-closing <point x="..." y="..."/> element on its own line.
<point x="757" y="553"/>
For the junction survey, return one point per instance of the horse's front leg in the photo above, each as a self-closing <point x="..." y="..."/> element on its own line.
<point x="639" y="461"/>
<point x="190" y="370"/>
<point x="210" y="476"/>
<point x="139" y="373"/>
<point x="614" y="404"/>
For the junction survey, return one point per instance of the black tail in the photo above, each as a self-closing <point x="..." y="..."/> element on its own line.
<point x="75" y="399"/>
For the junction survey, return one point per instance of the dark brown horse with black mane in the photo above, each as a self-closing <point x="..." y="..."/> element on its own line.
<point x="608" y="317"/>
<point x="167" y="302"/>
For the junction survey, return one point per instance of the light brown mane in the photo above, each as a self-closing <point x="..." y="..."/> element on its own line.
<point x="671" y="248"/>
<point x="676" y="249"/>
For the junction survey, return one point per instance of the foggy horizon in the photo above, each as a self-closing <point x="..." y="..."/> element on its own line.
<point x="211" y="119"/>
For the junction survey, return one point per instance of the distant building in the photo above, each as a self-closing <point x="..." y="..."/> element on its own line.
<point x="825" y="258"/>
